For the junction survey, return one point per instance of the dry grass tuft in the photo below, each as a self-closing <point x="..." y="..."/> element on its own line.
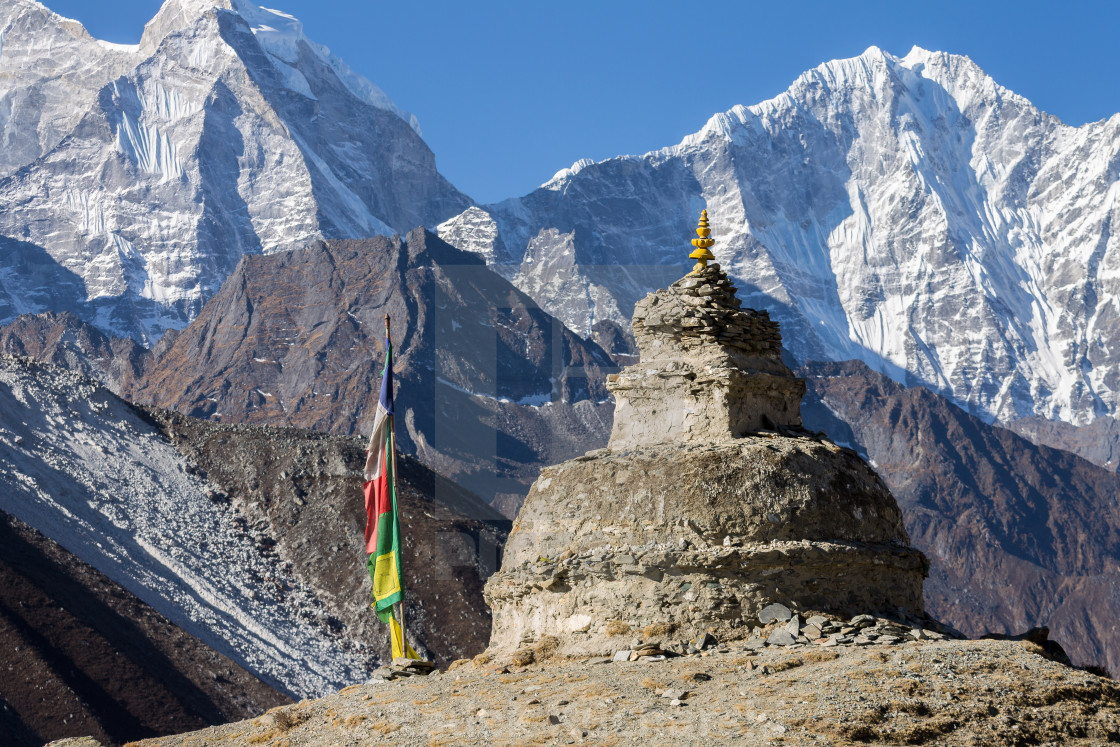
<point x="790" y="663"/>
<point x="651" y="684"/>
<point x="817" y="657"/>
<point x="546" y="647"/>
<point x="909" y="687"/>
<point x="523" y="657"/>
<point x="875" y="673"/>
<point x="533" y="717"/>
<point x="913" y="707"/>
<point x="482" y="659"/>
<point x="384" y="727"/>
<point x="280" y="719"/>
<point x="924" y="731"/>
<point x="617" y="627"/>
<point x="457" y="663"/>
<point x="875" y="715"/>
<point x="1097" y="670"/>
<point x="657" y="630"/>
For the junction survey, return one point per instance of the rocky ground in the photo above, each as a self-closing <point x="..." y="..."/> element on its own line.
<point x="884" y="689"/>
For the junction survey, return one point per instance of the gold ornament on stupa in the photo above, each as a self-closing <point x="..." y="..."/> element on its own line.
<point x="702" y="254"/>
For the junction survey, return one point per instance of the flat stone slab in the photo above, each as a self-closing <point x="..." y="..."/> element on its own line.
<point x="781" y="637"/>
<point x="774" y="613"/>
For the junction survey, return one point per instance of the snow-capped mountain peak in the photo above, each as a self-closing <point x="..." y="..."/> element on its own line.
<point x="176" y="15"/>
<point x="281" y="36"/>
<point x="906" y="211"/>
<point x="141" y="174"/>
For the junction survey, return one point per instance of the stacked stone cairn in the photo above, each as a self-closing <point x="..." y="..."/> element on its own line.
<point x="709" y="505"/>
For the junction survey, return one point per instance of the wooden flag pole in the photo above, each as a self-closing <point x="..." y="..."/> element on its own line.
<point x="393" y="450"/>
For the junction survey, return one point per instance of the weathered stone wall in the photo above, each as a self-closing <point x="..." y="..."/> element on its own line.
<point x="700" y="538"/>
<point x="719" y="590"/>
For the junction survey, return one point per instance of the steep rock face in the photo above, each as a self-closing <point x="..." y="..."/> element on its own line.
<point x="490" y="386"/>
<point x="908" y="212"/>
<point x="86" y="657"/>
<point x="694" y="518"/>
<point x="66" y="341"/>
<point x="1017" y="535"/>
<point x="225" y="131"/>
<point x="50" y="70"/>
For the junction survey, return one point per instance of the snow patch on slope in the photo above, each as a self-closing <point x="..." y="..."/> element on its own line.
<point x="86" y="469"/>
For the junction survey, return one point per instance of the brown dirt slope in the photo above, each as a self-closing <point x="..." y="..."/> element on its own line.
<point x="83" y="656"/>
<point x="65" y="340"/>
<point x="1018" y="535"/>
<point x="991" y="693"/>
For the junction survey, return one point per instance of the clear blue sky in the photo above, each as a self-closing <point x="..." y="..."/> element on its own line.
<point x="508" y="93"/>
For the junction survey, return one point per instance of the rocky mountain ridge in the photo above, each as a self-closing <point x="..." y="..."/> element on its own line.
<point x="490" y="386"/>
<point x="919" y="199"/>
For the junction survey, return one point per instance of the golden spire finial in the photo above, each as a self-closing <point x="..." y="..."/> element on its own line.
<point x="702" y="253"/>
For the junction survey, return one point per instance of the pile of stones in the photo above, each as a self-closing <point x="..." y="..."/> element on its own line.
<point x="789" y="630"/>
<point x="783" y="628"/>
<point x="659" y="651"/>
<point x="403" y="667"/>
<point x="702" y="308"/>
<point x="709" y="502"/>
<point x="708" y="369"/>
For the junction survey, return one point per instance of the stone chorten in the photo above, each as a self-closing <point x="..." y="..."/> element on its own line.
<point x="709" y="502"/>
